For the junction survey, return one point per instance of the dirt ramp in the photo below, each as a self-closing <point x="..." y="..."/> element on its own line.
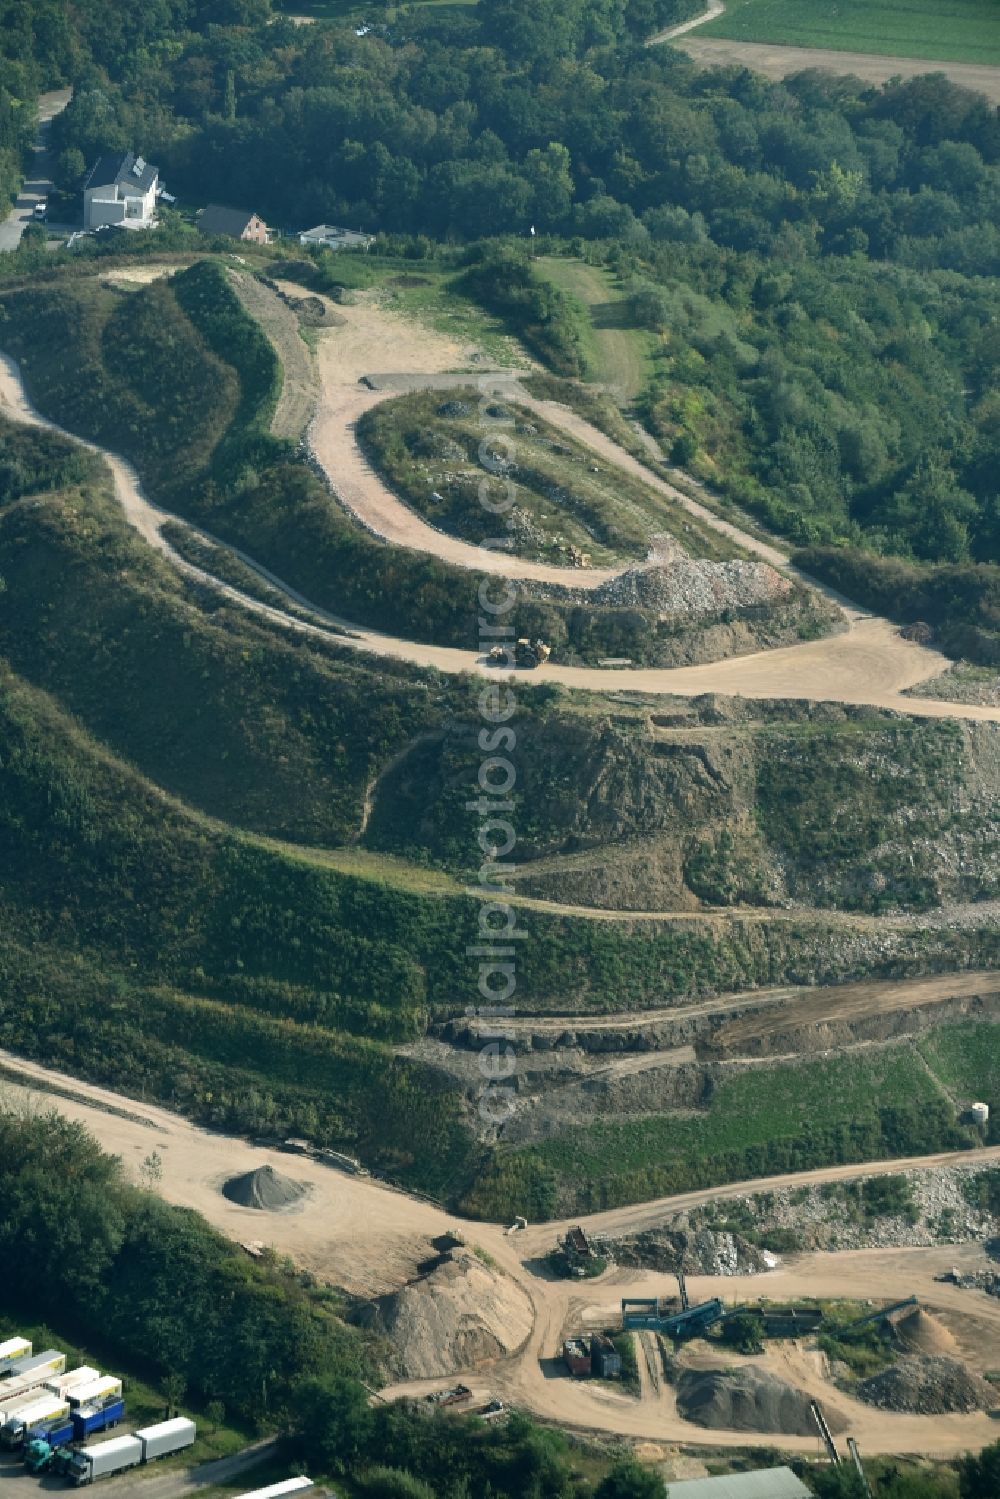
<point x="931" y="1386"/>
<point x="265" y="1189"/>
<point x="746" y="1400"/>
<point x="463" y="1314"/>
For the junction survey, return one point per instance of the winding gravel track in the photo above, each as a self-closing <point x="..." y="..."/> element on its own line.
<point x="869" y="665"/>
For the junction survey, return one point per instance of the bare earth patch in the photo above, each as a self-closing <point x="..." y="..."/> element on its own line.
<point x="779" y="62"/>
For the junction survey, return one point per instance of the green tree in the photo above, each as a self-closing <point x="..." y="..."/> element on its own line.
<point x="630" y="1480"/>
<point x="979" y="1476"/>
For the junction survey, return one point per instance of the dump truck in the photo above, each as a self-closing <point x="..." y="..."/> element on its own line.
<point x="528" y="653"/>
<point x="103" y="1459"/>
<point x="38" y="1415"/>
<point x="12" y="1351"/>
<point x="166" y="1437"/>
<point x="32" y="1374"/>
<point x="88" y="1420"/>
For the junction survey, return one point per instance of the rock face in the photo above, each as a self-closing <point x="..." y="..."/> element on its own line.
<point x="461" y="1315"/>
<point x="928" y="1386"/>
<point x="265" y="1189"/>
<point x="746" y="1400"/>
<point x="694" y="1252"/>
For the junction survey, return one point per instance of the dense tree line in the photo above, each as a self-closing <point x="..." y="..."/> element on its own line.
<point x="81" y="1248"/>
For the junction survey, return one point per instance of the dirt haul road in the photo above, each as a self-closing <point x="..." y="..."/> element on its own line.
<point x="369" y="339"/>
<point x="355" y="1232"/>
<point x="869" y="665"/>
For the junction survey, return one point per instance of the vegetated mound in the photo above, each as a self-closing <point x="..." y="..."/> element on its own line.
<point x="746" y="1400"/>
<point x="462" y="1314"/>
<point x="694" y="586"/>
<point x="927" y="1387"/>
<point x="702" y="1251"/>
<point x="264" y="1188"/>
<point x="921" y="1332"/>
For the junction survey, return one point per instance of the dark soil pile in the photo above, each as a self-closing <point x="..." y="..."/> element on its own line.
<point x="746" y="1400"/>
<point x="264" y="1188"/>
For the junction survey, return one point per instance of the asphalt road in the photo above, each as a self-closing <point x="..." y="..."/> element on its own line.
<point x="38" y="183"/>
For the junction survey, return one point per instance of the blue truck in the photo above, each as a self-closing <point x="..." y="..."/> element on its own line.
<point x="89" y="1419"/>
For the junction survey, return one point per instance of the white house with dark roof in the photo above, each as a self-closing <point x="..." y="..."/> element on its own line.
<point x="121" y="190"/>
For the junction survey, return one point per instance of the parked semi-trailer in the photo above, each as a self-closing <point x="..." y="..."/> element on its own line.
<point x="88" y="1420"/>
<point x="97" y="1391"/>
<point x="32" y="1374"/>
<point x="103" y="1459"/>
<point x="12" y="1351"/>
<point x="166" y="1437"/>
<point x="39" y="1413"/>
<point x="63" y="1384"/>
<point x="86" y="1465"/>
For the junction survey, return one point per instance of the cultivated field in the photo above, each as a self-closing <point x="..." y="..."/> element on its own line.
<point x="949" y="30"/>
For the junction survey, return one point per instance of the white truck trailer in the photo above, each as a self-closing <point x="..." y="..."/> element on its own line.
<point x="276" y="1490"/>
<point x="64" y="1383"/>
<point x="98" y="1392"/>
<point x="166" y="1437"/>
<point x="46" y="1410"/>
<point x="103" y="1459"/>
<point x="32" y="1374"/>
<point x="12" y="1351"/>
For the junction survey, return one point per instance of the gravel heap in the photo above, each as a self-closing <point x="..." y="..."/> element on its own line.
<point x="747" y="1399"/>
<point x="691" y="586"/>
<point x="264" y="1188"/>
<point x="928" y="1387"/>
<point x="463" y="1314"/>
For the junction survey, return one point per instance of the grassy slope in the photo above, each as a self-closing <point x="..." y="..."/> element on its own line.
<point x="951" y="30"/>
<point x="618" y="354"/>
<point x="808" y="805"/>
<point x="236" y="718"/>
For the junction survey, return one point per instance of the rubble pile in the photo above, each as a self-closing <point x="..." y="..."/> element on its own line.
<point x="689" y="586"/>
<point x="927" y="1387"/>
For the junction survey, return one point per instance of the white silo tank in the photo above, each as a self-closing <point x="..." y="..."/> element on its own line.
<point x="980" y="1113"/>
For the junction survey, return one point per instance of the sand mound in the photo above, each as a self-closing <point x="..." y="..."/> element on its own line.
<point x="264" y="1188"/>
<point x="459" y="1316"/>
<point x="920" y="1332"/>
<point x="746" y="1400"/>
<point x="927" y="1386"/>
